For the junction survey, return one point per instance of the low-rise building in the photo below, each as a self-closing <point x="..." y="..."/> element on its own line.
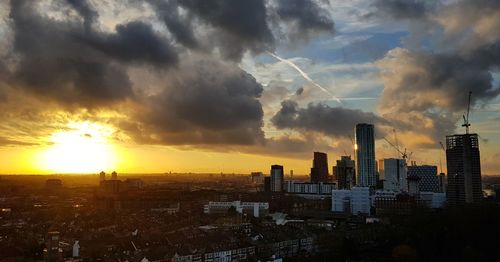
<point x="310" y="188"/>
<point x="256" y="209"/>
<point x="354" y="201"/>
<point x="257" y="178"/>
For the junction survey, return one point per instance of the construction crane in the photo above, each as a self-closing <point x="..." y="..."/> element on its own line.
<point x="404" y="155"/>
<point x="440" y="164"/>
<point x="466" y="123"/>
<point x="396" y="139"/>
<point x="354" y="147"/>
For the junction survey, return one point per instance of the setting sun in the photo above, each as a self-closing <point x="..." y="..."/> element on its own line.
<point x="83" y="148"/>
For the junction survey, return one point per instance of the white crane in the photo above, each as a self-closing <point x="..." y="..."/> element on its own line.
<point x="466" y="123"/>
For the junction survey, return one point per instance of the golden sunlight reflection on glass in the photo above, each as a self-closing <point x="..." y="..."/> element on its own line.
<point x="83" y="148"/>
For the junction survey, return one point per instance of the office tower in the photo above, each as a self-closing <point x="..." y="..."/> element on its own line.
<point x="393" y="173"/>
<point x="277" y="178"/>
<point x="464" y="169"/>
<point x="344" y="173"/>
<point x="267" y="184"/>
<point x="365" y="155"/>
<point x="429" y="180"/>
<point x="319" y="171"/>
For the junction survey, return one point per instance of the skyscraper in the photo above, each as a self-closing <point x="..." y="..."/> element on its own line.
<point x="344" y="172"/>
<point x="319" y="171"/>
<point x="277" y="180"/>
<point x="394" y="174"/>
<point x="365" y="155"/>
<point x="464" y="169"/>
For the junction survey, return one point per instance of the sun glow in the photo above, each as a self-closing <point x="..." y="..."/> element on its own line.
<point x="83" y="148"/>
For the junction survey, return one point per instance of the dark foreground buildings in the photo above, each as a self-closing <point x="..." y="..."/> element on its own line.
<point x="277" y="178"/>
<point x="319" y="171"/>
<point x="344" y="173"/>
<point x="464" y="169"/>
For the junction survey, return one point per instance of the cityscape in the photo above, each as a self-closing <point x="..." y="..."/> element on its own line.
<point x="238" y="130"/>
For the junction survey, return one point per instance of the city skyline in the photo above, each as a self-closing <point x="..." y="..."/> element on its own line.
<point x="249" y="130"/>
<point x="237" y="86"/>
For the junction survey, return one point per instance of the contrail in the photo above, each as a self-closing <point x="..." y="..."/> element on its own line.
<point x="304" y="75"/>
<point x="357" y="98"/>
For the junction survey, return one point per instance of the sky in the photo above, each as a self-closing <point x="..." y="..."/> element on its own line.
<point x="235" y="86"/>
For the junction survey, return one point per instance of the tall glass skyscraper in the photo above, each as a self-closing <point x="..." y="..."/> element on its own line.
<point x="365" y="155"/>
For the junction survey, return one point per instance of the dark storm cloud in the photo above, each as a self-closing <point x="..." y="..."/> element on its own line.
<point x="331" y="121"/>
<point x="243" y="24"/>
<point x="240" y="25"/>
<point x="429" y="91"/>
<point x="135" y="41"/>
<point x="404" y="9"/>
<point x="63" y="55"/>
<point x="205" y="102"/>
<point x="66" y="61"/>
<point x="426" y="91"/>
<point x="448" y="75"/>
<point x="306" y="15"/>
<point x="181" y="28"/>
<point x="86" y="11"/>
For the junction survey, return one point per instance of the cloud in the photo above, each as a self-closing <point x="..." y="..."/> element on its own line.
<point x="234" y="27"/>
<point x="469" y="24"/>
<point x="64" y="61"/>
<point x="66" y="56"/>
<point x="428" y="92"/>
<point x="305" y="18"/>
<point x="241" y="25"/>
<point x="331" y="121"/>
<point x="86" y="11"/>
<point x="404" y="9"/>
<point x="180" y="26"/>
<point x="204" y="101"/>
<point x="426" y="89"/>
<point x="134" y="41"/>
<point x="9" y="142"/>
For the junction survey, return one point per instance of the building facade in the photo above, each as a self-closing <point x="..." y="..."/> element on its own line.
<point x="310" y="188"/>
<point x="429" y="180"/>
<point x="464" y="169"/>
<point x="394" y="175"/>
<point x="319" y="171"/>
<point x="256" y="209"/>
<point x="257" y="178"/>
<point x="365" y="155"/>
<point x="354" y="201"/>
<point x="277" y="178"/>
<point x="345" y="173"/>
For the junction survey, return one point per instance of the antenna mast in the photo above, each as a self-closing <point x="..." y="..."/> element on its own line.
<point x="466" y="123"/>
